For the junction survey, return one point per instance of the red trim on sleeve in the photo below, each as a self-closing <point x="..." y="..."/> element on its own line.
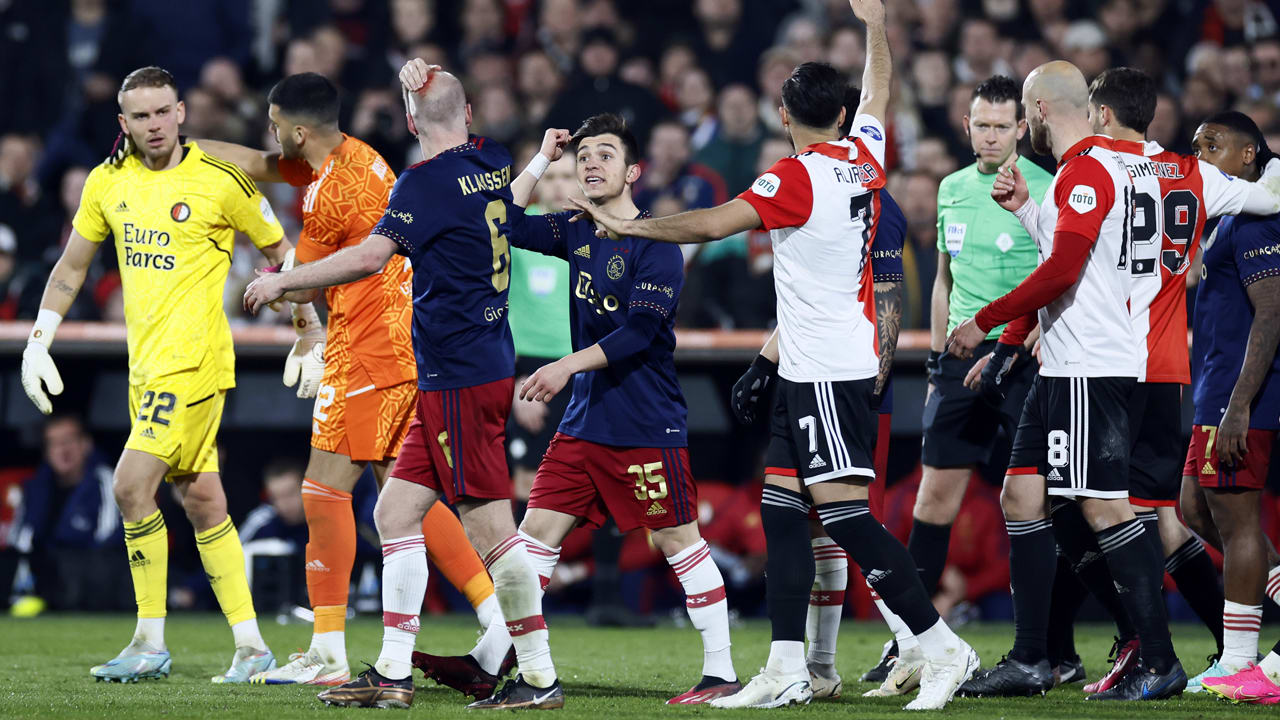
<point x="782" y="196"/>
<point x="1152" y="503"/>
<point x="1022" y="471"/>
<point x="1045" y="284"/>
<point x="784" y="472"/>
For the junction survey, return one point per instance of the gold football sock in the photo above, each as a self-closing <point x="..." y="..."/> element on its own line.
<point x="223" y="560"/>
<point x="147" y="543"/>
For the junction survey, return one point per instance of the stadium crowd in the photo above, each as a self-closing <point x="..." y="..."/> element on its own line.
<point x="698" y="81"/>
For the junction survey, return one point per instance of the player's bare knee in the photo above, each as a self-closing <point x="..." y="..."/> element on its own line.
<point x="487" y="522"/>
<point x="1104" y="513"/>
<point x="132" y="495"/>
<point x="547" y="526"/>
<point x="1019" y="502"/>
<point x="938" y="501"/>
<point x="672" y="540"/>
<point x="395" y="519"/>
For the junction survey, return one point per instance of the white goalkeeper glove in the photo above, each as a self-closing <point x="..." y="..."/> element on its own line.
<point x="304" y="366"/>
<point x="38" y="370"/>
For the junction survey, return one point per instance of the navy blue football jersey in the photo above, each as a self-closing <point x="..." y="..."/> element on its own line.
<point x="636" y="401"/>
<point x="450" y="216"/>
<point x="1243" y="250"/>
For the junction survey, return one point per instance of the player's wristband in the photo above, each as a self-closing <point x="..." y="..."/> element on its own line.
<point x="305" y="319"/>
<point x="45" y="326"/>
<point x="765" y="365"/>
<point x="537" y="166"/>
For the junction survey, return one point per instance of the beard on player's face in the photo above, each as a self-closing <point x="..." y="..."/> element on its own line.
<point x="289" y="148"/>
<point x="1040" y="140"/>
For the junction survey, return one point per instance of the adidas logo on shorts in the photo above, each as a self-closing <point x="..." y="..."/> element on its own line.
<point x="876" y="576"/>
<point x="316" y="566"/>
<point x="1055" y="475"/>
<point x="1208" y="469"/>
<point x="817" y="462"/>
<point x="148" y="434"/>
<point x="137" y="559"/>
<point x="584" y="251"/>
<point x="656" y="509"/>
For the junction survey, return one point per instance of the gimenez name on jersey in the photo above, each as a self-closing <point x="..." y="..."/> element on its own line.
<point x="133" y="235"/>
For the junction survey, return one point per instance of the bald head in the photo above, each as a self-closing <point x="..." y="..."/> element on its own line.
<point x="1059" y="83"/>
<point x="1056" y="99"/>
<point x="440" y="104"/>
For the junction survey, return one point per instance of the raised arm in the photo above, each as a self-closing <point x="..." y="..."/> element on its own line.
<point x="261" y="165"/>
<point x="878" y="70"/>
<point x="553" y="142"/>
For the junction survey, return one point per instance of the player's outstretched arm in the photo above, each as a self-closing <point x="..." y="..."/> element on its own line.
<point x="1264" y="334"/>
<point x="261" y="165"/>
<point x="878" y="71"/>
<point x="551" y="378"/>
<point x="346" y="265"/>
<point x="694" y="226"/>
<point x="553" y="142"/>
<point x="888" y="324"/>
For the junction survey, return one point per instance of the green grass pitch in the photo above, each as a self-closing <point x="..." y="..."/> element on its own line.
<point x="607" y="674"/>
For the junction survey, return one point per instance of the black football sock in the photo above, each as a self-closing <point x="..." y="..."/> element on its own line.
<point x="1151" y="531"/>
<point x="1031" y="568"/>
<point x="885" y="563"/>
<point x="1080" y="544"/>
<point x="928" y="545"/>
<point x="1139" y="583"/>
<point x="1068" y="596"/>
<point x="789" y="565"/>
<point x="1197" y="579"/>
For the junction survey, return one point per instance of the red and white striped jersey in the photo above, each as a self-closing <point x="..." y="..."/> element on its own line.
<point x="1087" y="331"/>
<point x="1174" y="194"/>
<point x="821" y="208"/>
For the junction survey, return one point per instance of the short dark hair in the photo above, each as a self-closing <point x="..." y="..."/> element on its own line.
<point x="151" y="76"/>
<point x="814" y="94"/>
<point x="309" y="95"/>
<point x="608" y="124"/>
<point x="1129" y="92"/>
<point x="280" y="466"/>
<point x="1241" y="124"/>
<point x="999" y="89"/>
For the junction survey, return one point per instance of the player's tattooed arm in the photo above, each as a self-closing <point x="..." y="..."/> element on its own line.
<point x="1264" y="334"/>
<point x="68" y="274"/>
<point x="888" y="324"/>
<point x="878" y="71"/>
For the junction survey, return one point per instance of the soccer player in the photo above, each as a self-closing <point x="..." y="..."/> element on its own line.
<point x="983" y="253"/>
<point x="450" y="215"/>
<point x="826" y="347"/>
<point x="365" y="398"/>
<point x="831" y="563"/>
<point x="1237" y="398"/>
<point x="1073" y="437"/>
<point x="1174" y="195"/>
<point x="173" y="210"/>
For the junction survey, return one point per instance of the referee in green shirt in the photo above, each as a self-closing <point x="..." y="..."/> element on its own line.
<point x="983" y="252"/>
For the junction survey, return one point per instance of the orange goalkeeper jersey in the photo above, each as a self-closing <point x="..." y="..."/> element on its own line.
<point x="369" y="320"/>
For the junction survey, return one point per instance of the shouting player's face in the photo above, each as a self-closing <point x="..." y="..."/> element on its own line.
<point x="994" y="131"/>
<point x="151" y="116"/>
<point x="603" y="172"/>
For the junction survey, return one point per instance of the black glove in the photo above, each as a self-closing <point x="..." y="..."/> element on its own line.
<point x="750" y="388"/>
<point x="992" y="388"/>
<point x="932" y="367"/>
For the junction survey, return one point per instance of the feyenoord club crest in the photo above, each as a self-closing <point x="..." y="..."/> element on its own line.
<point x="180" y="212"/>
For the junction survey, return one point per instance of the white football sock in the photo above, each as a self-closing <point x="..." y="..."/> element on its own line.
<point x="246" y="634"/>
<point x="1240" y="626"/>
<point x="901" y="633"/>
<point x="707" y="606"/>
<point x="787" y="657"/>
<point x="150" y="631"/>
<point x="520" y="595"/>
<point x="826" y="600"/>
<point x="404" y="585"/>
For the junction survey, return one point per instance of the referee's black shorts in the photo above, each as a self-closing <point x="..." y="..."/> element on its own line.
<point x="524" y="448"/>
<point x="959" y="428"/>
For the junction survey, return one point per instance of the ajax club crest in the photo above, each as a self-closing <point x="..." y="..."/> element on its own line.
<point x="615" y="268"/>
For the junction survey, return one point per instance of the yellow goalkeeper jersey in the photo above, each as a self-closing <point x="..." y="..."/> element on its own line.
<point x="174" y="236"/>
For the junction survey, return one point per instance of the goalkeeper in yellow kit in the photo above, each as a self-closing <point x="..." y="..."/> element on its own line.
<point x="173" y="211"/>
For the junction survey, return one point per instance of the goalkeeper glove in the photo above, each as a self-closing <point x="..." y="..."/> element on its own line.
<point x="750" y="388"/>
<point x="304" y="366"/>
<point x="992" y="388"/>
<point x="38" y="370"/>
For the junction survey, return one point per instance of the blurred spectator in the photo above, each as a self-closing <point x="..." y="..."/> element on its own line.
<point x="70" y="531"/>
<point x="981" y="52"/>
<point x="482" y="30"/>
<point x="1085" y="44"/>
<point x="274" y="536"/>
<point x="774" y="69"/>
<point x="668" y="173"/>
<point x="725" y="38"/>
<point x="917" y="193"/>
<point x="24" y="208"/>
<point x="695" y="101"/>
<point x="496" y="114"/>
<point x="597" y="86"/>
<point x="1266" y="63"/>
<point x="733" y="151"/>
<point x="539" y="82"/>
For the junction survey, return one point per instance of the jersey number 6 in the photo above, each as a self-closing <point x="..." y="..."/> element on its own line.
<point x="495" y="214"/>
